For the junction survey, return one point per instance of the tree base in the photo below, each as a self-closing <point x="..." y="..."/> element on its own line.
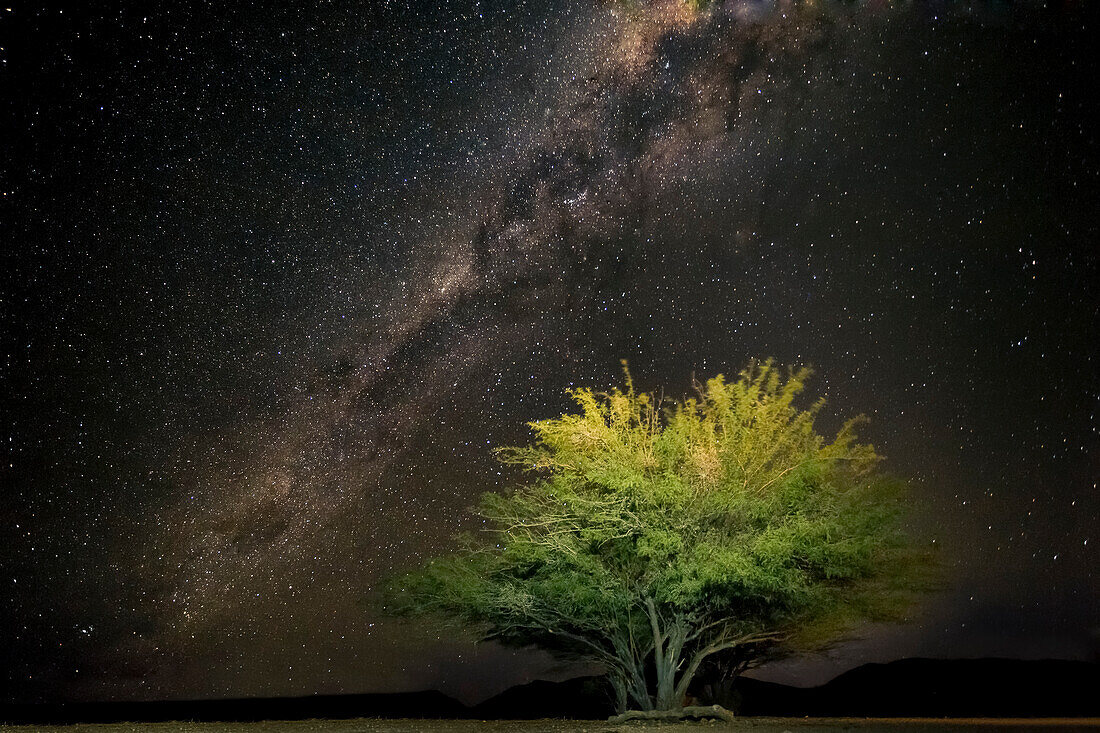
<point x="693" y="712"/>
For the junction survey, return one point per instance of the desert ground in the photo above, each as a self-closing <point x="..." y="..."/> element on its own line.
<point x="749" y="725"/>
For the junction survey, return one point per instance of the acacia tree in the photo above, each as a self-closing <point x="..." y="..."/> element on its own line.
<point x="654" y="537"/>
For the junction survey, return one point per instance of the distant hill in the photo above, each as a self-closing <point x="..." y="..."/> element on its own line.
<point x="428" y="704"/>
<point x="934" y="688"/>
<point x="960" y="687"/>
<point x="909" y="687"/>
<point x="581" y="698"/>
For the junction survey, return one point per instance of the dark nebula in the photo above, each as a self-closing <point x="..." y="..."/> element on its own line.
<point x="278" y="281"/>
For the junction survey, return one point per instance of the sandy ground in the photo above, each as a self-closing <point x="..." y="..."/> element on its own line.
<point x="748" y="725"/>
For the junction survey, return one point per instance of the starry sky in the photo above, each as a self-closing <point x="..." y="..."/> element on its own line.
<point x="276" y="281"/>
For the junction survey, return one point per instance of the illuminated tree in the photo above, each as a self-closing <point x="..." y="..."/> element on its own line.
<point x="654" y="537"/>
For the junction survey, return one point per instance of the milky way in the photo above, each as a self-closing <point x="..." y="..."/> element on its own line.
<point x="661" y="95"/>
<point x="351" y="254"/>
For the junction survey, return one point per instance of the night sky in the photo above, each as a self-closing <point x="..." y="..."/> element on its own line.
<point x="275" y="282"/>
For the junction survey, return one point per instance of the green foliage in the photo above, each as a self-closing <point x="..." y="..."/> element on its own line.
<point x="654" y="535"/>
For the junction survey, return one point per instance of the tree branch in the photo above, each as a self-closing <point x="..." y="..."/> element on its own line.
<point x="697" y="659"/>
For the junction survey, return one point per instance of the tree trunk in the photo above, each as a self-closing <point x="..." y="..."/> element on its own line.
<point x="618" y="685"/>
<point x="666" y="685"/>
<point x="668" y="641"/>
<point x="629" y="669"/>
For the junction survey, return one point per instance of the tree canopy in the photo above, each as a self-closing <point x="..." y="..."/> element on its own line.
<point x="657" y="535"/>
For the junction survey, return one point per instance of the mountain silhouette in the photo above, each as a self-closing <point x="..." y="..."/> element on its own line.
<point x="931" y="688"/>
<point x="427" y="704"/>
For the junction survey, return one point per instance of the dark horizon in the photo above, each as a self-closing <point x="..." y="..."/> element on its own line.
<point x="277" y="282"/>
<point x="908" y="688"/>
